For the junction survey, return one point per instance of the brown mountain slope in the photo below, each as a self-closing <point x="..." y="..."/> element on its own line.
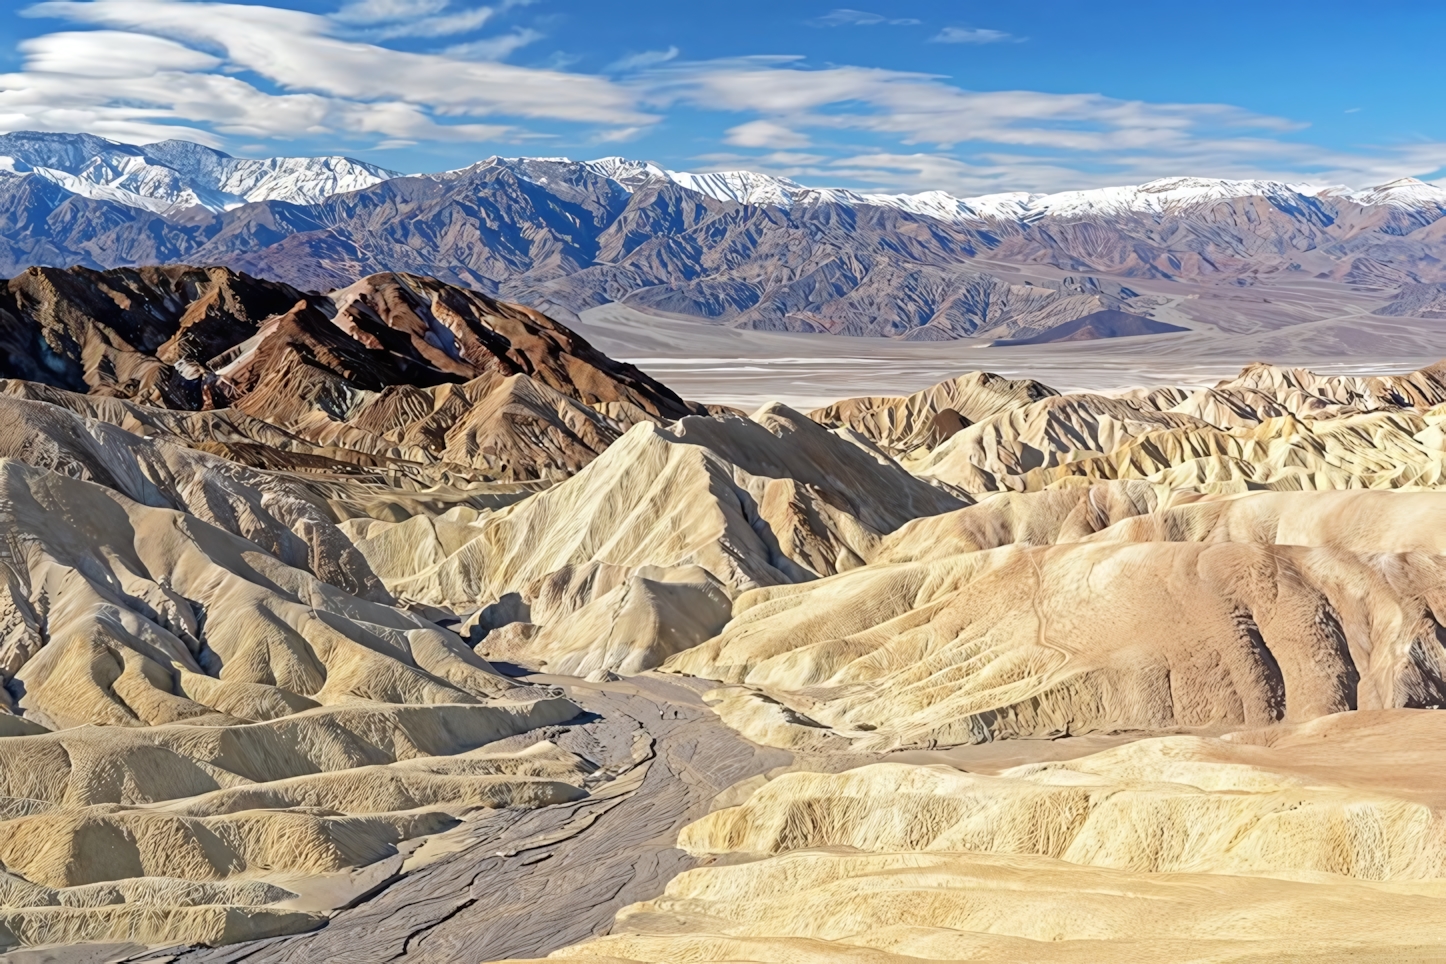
<point x="392" y="369"/>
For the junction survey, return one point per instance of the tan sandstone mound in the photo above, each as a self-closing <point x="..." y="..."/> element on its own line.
<point x="1065" y="514"/>
<point x="913" y="424"/>
<point x="218" y="715"/>
<point x="118" y="832"/>
<point x="65" y="849"/>
<point x="90" y="766"/>
<point x="830" y="908"/>
<point x="1039" y="641"/>
<point x="1136" y="511"/>
<point x="1177" y="849"/>
<point x="709" y="506"/>
<point x="1267" y="428"/>
<point x="634" y="626"/>
<point x="154" y="616"/>
<point x="990" y="454"/>
<point x="276" y="516"/>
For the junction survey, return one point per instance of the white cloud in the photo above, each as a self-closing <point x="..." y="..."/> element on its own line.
<point x="445" y="25"/>
<point x="494" y="48"/>
<point x="921" y="108"/>
<point x="389" y="19"/>
<point x="844" y="17"/>
<point x="964" y="35"/>
<point x="111" y="53"/>
<point x="388" y="11"/>
<point x="762" y="133"/>
<point x="639" y="61"/>
<point x="617" y="135"/>
<point x="984" y="141"/>
<point x="156" y="64"/>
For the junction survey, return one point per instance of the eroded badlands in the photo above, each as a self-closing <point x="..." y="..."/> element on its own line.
<point x="400" y="623"/>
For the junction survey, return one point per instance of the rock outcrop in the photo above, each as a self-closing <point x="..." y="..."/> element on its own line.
<point x="392" y="369"/>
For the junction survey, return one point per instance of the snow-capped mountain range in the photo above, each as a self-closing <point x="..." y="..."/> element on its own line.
<point x="171" y="176"/>
<point x="738" y="248"/>
<point x="1155" y="197"/>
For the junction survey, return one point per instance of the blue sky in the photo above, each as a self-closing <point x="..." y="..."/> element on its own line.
<point x="965" y="97"/>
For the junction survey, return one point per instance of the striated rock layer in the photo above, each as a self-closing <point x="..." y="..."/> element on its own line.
<point x="262" y="578"/>
<point x="1180" y="849"/>
<point x="216" y="722"/>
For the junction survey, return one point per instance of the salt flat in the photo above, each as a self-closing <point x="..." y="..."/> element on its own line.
<point x="714" y="364"/>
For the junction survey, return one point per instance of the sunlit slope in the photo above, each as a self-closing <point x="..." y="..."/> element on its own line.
<point x="1176" y="849"/>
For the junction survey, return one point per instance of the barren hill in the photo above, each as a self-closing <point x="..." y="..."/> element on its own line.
<point x="392" y="368"/>
<point x="400" y="623"/>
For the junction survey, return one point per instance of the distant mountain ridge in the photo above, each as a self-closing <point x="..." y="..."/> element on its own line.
<point x="1161" y="196"/>
<point x="167" y="174"/>
<point x="734" y="248"/>
<point x="171" y="176"/>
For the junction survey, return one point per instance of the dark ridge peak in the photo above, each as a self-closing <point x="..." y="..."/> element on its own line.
<point x="191" y="337"/>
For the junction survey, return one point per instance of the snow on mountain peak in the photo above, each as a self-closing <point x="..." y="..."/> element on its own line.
<point x="745" y="187"/>
<point x="1407" y="192"/>
<point x="173" y="175"/>
<point x="626" y="172"/>
<point x="1152" y="198"/>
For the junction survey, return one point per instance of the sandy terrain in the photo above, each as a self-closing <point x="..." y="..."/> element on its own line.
<point x="1105" y="656"/>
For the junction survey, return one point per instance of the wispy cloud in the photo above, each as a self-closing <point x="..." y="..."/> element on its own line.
<point x="765" y="133"/>
<point x="389" y="19"/>
<point x="159" y="67"/>
<point x="638" y="61"/>
<point x="985" y="141"/>
<point x="844" y="17"/>
<point x="386" y="11"/>
<point x="966" y="35"/>
<point x="224" y="73"/>
<point x="499" y="47"/>
<point x="926" y="109"/>
<point x="446" y="25"/>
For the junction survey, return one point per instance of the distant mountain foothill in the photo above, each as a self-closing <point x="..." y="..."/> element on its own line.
<point x="735" y="248"/>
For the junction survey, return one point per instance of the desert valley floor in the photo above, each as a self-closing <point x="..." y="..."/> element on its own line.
<point x="404" y="624"/>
